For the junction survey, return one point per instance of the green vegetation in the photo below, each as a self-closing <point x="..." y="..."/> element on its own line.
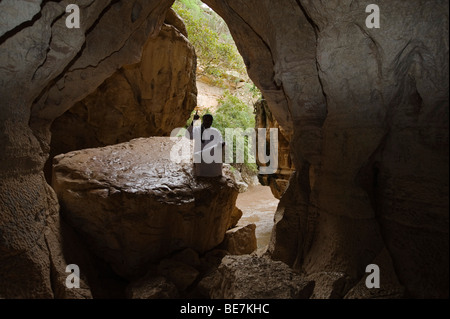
<point x="233" y="113"/>
<point x="218" y="57"/>
<point x="211" y="38"/>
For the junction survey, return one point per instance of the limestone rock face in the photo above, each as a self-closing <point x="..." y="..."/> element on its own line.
<point x="250" y="277"/>
<point x="240" y="240"/>
<point x="390" y="288"/>
<point x="152" y="288"/>
<point x="366" y="115"/>
<point x="148" y="98"/>
<point x="365" y="112"/>
<point x="135" y="206"/>
<point x="235" y="216"/>
<point x="44" y="69"/>
<point x="278" y="181"/>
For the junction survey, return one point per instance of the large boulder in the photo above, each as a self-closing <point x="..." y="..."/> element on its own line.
<point x="135" y="206"/>
<point x="251" y="277"/>
<point x="147" y="98"/>
<point x="240" y="240"/>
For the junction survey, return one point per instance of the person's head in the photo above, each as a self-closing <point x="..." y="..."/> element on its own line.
<point x="207" y="120"/>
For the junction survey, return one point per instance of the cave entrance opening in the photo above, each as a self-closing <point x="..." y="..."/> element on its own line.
<point x="225" y="90"/>
<point x="133" y="102"/>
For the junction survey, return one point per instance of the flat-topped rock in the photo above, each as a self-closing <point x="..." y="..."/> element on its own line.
<point x="134" y="206"/>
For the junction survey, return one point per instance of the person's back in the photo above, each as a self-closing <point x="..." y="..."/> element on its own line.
<point x="208" y="145"/>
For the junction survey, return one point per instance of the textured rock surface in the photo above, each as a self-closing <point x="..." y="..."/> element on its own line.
<point x="235" y="216"/>
<point x="367" y="112"/>
<point x="250" y="277"/>
<point x="278" y="181"/>
<point x="148" y="98"/>
<point x="390" y="288"/>
<point x="152" y="288"/>
<point x="45" y="64"/>
<point x="240" y="240"/>
<point x="181" y="274"/>
<point x="135" y="206"/>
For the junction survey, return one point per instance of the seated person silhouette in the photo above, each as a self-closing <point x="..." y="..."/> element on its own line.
<point x="208" y="145"/>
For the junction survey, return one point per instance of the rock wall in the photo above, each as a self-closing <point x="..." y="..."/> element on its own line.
<point x="148" y="98"/>
<point x="44" y="69"/>
<point x="367" y="112"/>
<point x="278" y="181"/>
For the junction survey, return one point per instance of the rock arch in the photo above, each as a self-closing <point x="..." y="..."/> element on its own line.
<point x="365" y="110"/>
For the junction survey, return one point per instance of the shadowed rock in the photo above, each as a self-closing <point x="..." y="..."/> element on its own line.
<point x="251" y="277"/>
<point x="148" y="98"/>
<point x="152" y="288"/>
<point x="135" y="206"/>
<point x="365" y="112"/>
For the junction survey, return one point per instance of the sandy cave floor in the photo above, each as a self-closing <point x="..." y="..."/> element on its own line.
<point x="258" y="206"/>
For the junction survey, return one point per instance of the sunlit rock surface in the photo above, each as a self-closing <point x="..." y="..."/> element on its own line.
<point x="133" y="205"/>
<point x="240" y="240"/>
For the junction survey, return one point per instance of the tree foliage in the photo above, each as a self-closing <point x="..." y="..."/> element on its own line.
<point x="211" y="38"/>
<point x="217" y="54"/>
<point x="232" y="113"/>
